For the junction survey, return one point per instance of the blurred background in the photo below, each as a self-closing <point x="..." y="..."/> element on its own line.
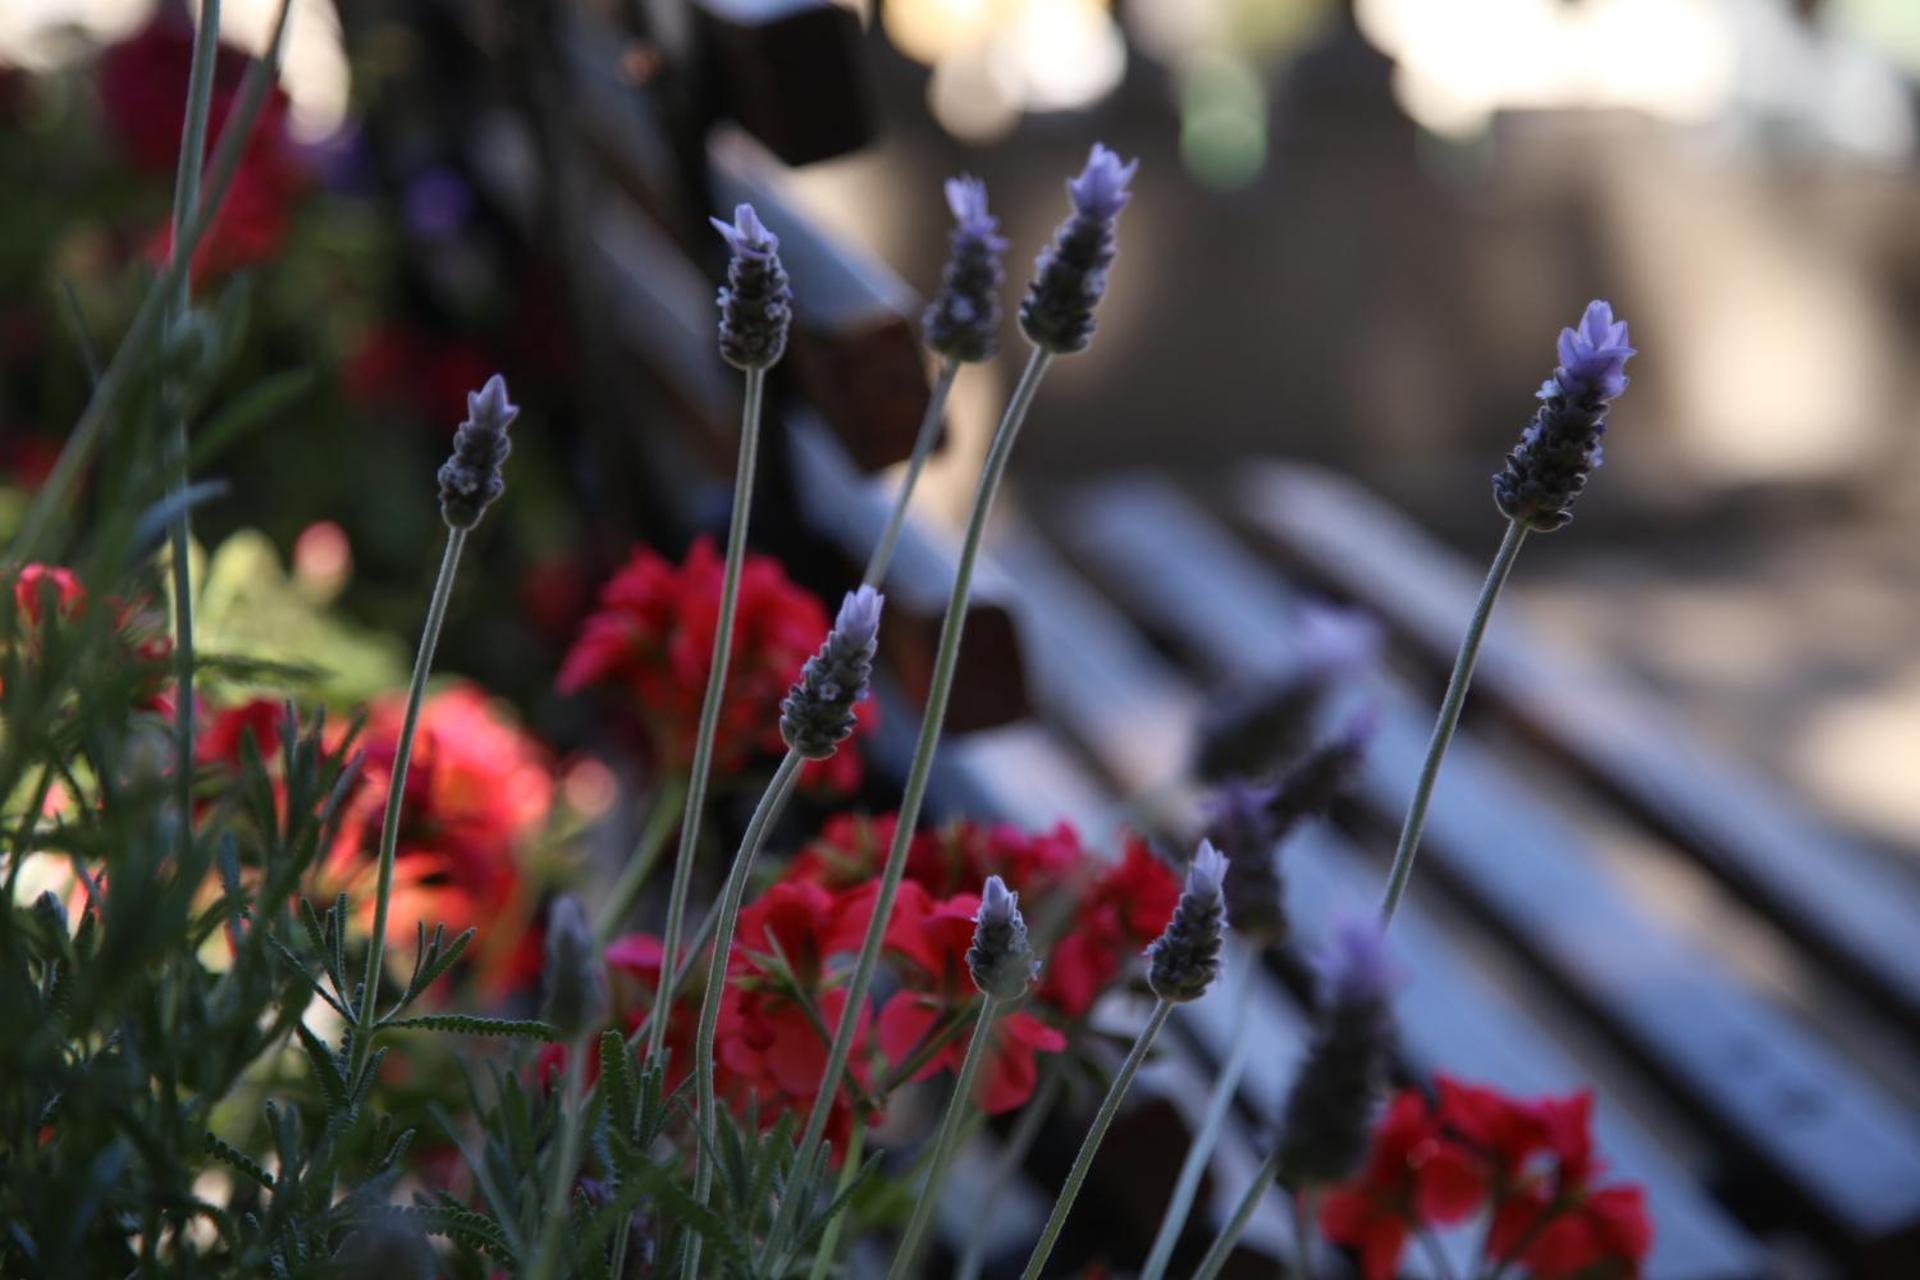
<point x="1356" y="231"/>
<point x="1359" y="227"/>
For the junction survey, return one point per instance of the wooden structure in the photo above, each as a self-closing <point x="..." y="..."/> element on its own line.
<point x="1538" y="959"/>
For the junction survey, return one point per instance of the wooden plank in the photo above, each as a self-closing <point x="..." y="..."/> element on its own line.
<point x="1767" y="1086"/>
<point x="1833" y="896"/>
<point x="790" y="72"/>
<point x="1127" y="708"/>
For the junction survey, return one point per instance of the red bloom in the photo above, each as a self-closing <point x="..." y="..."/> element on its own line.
<point x="931" y="939"/>
<point x="478" y="788"/>
<point x="35" y="584"/>
<point x="1126" y="908"/>
<point x="1532" y="1159"/>
<point x="221" y="734"/>
<point x="143" y="88"/>
<point x="653" y="637"/>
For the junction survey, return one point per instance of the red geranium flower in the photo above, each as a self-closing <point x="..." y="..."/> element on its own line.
<point x="35" y="584"/>
<point x="931" y="939"/>
<point x="1125" y="909"/>
<point x="478" y="788"/>
<point x="653" y="637"/>
<point x="143" y="89"/>
<point x="1531" y="1160"/>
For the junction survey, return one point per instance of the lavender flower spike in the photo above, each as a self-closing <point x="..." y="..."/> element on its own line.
<point x="1329" y="1111"/>
<point x="472" y="477"/>
<point x="1561" y="446"/>
<point x="817" y="713"/>
<point x="576" y="982"/>
<point x="756" y="303"/>
<point x="1070" y="275"/>
<point x="1001" y="958"/>
<point x="963" y="320"/>
<point x="1185" y="959"/>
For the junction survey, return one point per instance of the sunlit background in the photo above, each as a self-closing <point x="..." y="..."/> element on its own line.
<point x="1359" y="226"/>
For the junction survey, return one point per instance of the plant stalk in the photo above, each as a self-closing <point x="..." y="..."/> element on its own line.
<point x="849" y="1170"/>
<point x="1014" y="1154"/>
<point x="945" y="661"/>
<point x="756" y="382"/>
<point x="396" y="794"/>
<point x="916" y="463"/>
<point x="1219" y="1104"/>
<point x="1449" y="720"/>
<point x="1096" y="1133"/>
<point x="772" y="801"/>
<point x="186" y="197"/>
<point x="958" y="1107"/>
<point x="1229" y="1236"/>
<point x="567" y="1154"/>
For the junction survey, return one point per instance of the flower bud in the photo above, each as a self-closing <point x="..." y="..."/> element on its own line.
<point x="472" y="478"/>
<point x="1000" y="959"/>
<point x="1328" y="1116"/>
<point x="1561" y="446"/>
<point x="756" y="303"/>
<point x="817" y="713"/>
<point x="1185" y="959"/>
<point x="576" y="982"/>
<point x="963" y="319"/>
<point x="1070" y="275"/>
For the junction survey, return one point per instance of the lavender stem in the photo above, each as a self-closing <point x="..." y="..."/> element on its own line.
<point x="922" y="448"/>
<point x="1449" y="720"/>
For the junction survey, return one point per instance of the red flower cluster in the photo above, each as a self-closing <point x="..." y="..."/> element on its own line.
<point x="1529" y="1162"/>
<point x="783" y="999"/>
<point x="653" y="634"/>
<point x="143" y="89"/>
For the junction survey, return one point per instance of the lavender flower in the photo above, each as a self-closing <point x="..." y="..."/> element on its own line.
<point x="756" y="303"/>
<point x="817" y="714"/>
<point x="1185" y="959"/>
<point x="1329" y="1111"/>
<point x="963" y="319"/>
<point x="1255" y="727"/>
<point x="1561" y="446"/>
<point x="576" y="982"/>
<point x="473" y="477"/>
<point x="1000" y="959"/>
<point x="1070" y="275"/>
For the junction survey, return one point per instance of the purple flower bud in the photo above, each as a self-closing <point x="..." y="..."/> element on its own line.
<point x="963" y="320"/>
<point x="1185" y="959"/>
<point x="817" y="713"/>
<point x="1001" y="957"/>
<point x="1328" y="1117"/>
<point x="756" y="303"/>
<point x="1070" y="275"/>
<point x="473" y="476"/>
<point x="1560" y="448"/>
<point x="576" y="982"/>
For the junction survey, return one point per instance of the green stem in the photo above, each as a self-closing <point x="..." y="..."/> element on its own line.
<point x="1229" y="1236"/>
<point x="1096" y="1133"/>
<point x="1443" y="729"/>
<point x="1305" y="1206"/>
<point x="756" y="381"/>
<point x="936" y="1039"/>
<point x="1219" y="1104"/>
<point x="772" y="801"/>
<point x="396" y="794"/>
<point x="661" y="819"/>
<point x="945" y="660"/>
<point x="98" y="415"/>
<point x="186" y="197"/>
<point x="849" y="1170"/>
<point x="567" y="1163"/>
<point x="1026" y="1131"/>
<point x="958" y="1106"/>
<point x="922" y="448"/>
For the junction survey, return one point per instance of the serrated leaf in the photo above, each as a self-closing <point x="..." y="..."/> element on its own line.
<point x="473" y="1025"/>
